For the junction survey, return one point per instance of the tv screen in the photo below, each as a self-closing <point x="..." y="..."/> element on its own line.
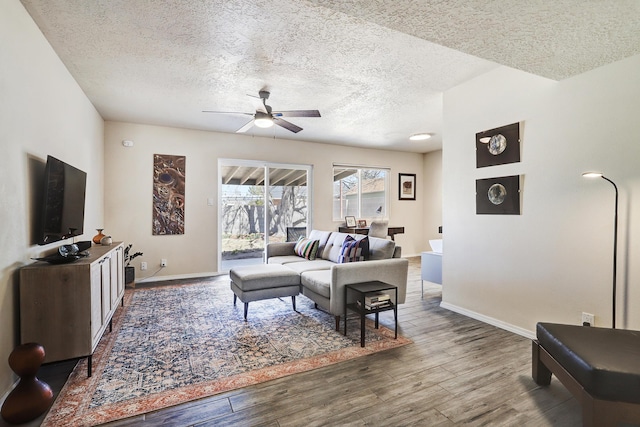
<point x="63" y="205"/>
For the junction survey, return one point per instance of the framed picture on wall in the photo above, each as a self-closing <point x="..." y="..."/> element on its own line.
<point x="498" y="146"/>
<point x="407" y="186"/>
<point x="350" y="221"/>
<point x="498" y="196"/>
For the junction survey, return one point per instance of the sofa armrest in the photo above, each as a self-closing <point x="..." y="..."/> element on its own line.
<point x="393" y="271"/>
<point x="280" y="249"/>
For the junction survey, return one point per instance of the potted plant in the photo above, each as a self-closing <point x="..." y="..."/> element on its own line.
<point x="129" y="270"/>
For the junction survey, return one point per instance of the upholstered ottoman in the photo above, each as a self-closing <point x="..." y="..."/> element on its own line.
<point x="599" y="366"/>
<point x="263" y="281"/>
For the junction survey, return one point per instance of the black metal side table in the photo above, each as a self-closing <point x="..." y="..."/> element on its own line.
<point x="363" y="289"/>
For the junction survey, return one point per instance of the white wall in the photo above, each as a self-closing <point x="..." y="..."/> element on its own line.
<point x="553" y="261"/>
<point x="42" y="111"/>
<point x="128" y="189"/>
<point x="432" y="184"/>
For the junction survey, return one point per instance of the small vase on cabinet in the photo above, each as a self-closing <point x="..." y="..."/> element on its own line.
<point x="98" y="237"/>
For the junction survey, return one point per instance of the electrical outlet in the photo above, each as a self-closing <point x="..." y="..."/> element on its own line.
<point x="588" y="319"/>
<point x="143" y="265"/>
<point x="163" y="262"/>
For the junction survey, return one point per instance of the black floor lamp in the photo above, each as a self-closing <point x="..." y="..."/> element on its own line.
<point x="615" y="238"/>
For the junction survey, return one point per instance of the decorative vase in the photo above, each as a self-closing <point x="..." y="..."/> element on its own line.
<point x="98" y="237"/>
<point x="31" y="397"/>
<point x="106" y="240"/>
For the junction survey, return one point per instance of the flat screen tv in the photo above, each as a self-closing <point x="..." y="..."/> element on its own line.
<point x="63" y="203"/>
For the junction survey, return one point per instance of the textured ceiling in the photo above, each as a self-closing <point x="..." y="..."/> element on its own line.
<point x="376" y="69"/>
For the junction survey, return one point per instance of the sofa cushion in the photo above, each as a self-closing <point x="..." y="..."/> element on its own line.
<point x="263" y="276"/>
<point x="381" y="248"/>
<point x="306" y="248"/>
<point x="353" y="250"/>
<point x="334" y="246"/>
<point x="321" y="237"/>
<point x="284" y="259"/>
<point x="318" y="282"/>
<point x="304" y="265"/>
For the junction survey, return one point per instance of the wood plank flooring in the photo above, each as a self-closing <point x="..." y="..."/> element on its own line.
<point x="458" y="371"/>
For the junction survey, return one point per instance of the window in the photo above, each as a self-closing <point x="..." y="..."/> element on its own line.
<point x="360" y="192"/>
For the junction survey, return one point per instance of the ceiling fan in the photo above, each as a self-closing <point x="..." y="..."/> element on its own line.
<point x="265" y="117"/>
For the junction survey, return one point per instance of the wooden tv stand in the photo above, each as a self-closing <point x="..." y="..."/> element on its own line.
<point x="67" y="307"/>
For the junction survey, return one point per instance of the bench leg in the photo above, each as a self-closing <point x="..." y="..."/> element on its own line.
<point x="235" y="297"/>
<point x="246" y="310"/>
<point x="338" y="323"/>
<point x="293" y="301"/>
<point x="540" y="373"/>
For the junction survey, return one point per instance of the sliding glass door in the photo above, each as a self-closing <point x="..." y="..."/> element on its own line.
<point x="260" y="203"/>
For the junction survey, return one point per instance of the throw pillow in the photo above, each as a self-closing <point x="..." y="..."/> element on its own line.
<point x="353" y="250"/>
<point x="306" y="248"/>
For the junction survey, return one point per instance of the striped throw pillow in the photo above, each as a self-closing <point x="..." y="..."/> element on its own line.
<point x="306" y="248"/>
<point x="353" y="250"/>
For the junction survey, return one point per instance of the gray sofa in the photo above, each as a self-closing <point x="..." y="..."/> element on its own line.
<point x="323" y="279"/>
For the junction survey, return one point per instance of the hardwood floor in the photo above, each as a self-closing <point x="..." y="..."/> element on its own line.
<point x="458" y="371"/>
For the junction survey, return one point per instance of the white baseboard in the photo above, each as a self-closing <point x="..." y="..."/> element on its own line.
<point x="178" y="277"/>
<point x="490" y="320"/>
<point x="410" y="256"/>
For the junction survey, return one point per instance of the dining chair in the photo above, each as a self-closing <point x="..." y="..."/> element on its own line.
<point x="379" y="229"/>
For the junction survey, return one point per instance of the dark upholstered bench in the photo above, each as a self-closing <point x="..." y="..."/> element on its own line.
<point x="599" y="366"/>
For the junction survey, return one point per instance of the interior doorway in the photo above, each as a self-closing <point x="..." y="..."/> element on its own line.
<point x="260" y="202"/>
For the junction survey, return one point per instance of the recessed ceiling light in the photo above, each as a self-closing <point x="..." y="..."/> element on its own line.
<point x="420" y="136"/>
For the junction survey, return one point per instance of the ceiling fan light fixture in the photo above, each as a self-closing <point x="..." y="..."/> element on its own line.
<point x="264" y="123"/>
<point x="420" y="136"/>
<point x="263" y="120"/>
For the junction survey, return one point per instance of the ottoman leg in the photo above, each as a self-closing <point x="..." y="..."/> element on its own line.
<point x="246" y="310"/>
<point x="540" y="373"/>
<point x="293" y="301"/>
<point x="235" y="297"/>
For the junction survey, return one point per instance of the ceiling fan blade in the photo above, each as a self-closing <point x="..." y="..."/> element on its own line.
<point x="260" y="102"/>
<point x="297" y="113"/>
<point x="246" y="127"/>
<point x="287" y="125"/>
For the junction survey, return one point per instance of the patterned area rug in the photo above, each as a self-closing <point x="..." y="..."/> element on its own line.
<point x="173" y="344"/>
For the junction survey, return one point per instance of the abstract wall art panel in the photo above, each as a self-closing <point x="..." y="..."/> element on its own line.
<point x="498" y="196"/>
<point x="168" y="194"/>
<point x="498" y="146"/>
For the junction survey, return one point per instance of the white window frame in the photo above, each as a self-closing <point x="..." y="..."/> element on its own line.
<point x="360" y="168"/>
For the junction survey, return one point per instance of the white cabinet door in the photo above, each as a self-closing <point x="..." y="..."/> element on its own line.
<point x="105" y="268"/>
<point x="113" y="265"/>
<point x="96" y="302"/>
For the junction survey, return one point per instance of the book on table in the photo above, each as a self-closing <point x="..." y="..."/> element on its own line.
<point x="375" y="305"/>
<point x="376" y="298"/>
